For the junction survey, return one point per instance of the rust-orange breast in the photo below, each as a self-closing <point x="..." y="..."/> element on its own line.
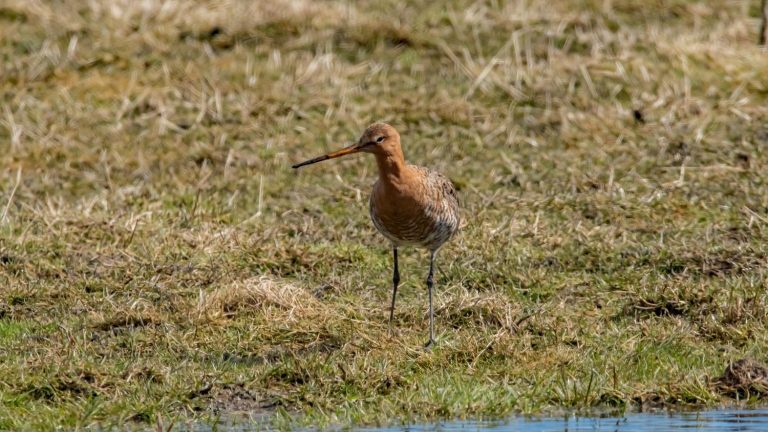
<point x="420" y="209"/>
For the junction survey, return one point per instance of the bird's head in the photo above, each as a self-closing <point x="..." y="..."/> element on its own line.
<point x="378" y="138"/>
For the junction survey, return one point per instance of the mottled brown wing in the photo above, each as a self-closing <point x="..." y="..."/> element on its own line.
<point x="449" y="189"/>
<point x="449" y="198"/>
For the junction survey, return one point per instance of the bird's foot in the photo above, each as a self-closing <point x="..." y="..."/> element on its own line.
<point x="430" y="343"/>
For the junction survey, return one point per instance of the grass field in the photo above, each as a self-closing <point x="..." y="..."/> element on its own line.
<point x="160" y="259"/>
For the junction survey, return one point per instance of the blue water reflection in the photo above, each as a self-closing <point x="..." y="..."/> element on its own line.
<point x="715" y="420"/>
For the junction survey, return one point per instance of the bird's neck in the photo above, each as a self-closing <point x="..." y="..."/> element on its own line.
<point x="392" y="167"/>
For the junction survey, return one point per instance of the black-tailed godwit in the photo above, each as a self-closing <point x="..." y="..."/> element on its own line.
<point x="410" y="205"/>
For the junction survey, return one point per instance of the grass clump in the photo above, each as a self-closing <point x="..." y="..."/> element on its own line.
<point x="159" y="260"/>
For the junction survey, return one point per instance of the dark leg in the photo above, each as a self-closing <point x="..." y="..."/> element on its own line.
<point x="395" y="282"/>
<point x="763" y="40"/>
<point x="430" y="284"/>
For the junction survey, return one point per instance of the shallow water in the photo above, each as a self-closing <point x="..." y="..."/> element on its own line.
<point x="714" y="420"/>
<point x="722" y="420"/>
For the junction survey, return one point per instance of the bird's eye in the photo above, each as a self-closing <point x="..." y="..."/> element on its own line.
<point x="380" y="139"/>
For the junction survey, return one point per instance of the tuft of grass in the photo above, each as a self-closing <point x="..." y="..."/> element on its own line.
<point x="161" y="264"/>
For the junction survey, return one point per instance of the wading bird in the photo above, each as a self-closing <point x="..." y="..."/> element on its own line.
<point x="410" y="205"/>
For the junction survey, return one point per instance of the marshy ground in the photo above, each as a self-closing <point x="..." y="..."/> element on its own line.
<point x="158" y="256"/>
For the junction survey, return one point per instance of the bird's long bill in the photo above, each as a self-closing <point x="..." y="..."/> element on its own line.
<point x="338" y="153"/>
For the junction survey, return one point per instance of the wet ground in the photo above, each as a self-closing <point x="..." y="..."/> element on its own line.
<point x="721" y="420"/>
<point x="715" y="420"/>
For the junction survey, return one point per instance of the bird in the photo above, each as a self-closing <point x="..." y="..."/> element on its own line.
<point x="411" y="206"/>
